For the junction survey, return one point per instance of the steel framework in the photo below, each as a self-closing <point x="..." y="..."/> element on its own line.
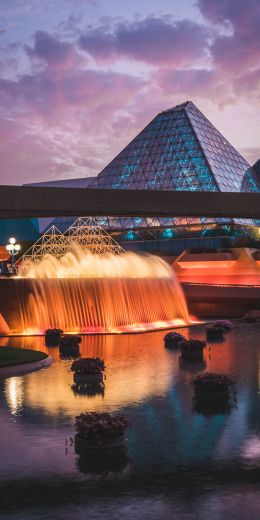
<point x="53" y="242"/>
<point x="88" y="234"/>
<point x="84" y="232"/>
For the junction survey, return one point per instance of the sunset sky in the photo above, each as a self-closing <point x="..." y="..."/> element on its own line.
<point x="80" y="78"/>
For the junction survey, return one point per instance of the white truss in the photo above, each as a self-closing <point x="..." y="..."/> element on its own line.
<point x="53" y="242"/>
<point x="84" y="232"/>
<point x="88" y="234"/>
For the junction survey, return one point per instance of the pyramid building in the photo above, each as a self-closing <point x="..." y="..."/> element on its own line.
<point x="179" y="150"/>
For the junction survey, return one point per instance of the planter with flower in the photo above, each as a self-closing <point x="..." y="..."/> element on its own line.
<point x="224" y="324"/>
<point x="212" y="387"/>
<point x="192" y="349"/>
<point x="88" y="370"/>
<point x="173" y="340"/>
<point x="69" y="346"/>
<point x="215" y="333"/>
<point x="96" y="430"/>
<point x="53" y="337"/>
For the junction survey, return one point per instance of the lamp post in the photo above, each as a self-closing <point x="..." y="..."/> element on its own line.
<point x="13" y="249"/>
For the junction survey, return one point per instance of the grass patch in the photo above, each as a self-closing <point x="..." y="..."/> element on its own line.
<point x="10" y="356"/>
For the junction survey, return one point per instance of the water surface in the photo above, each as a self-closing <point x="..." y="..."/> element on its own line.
<point x="179" y="463"/>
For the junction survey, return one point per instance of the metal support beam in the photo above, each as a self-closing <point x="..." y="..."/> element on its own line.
<point x="31" y="201"/>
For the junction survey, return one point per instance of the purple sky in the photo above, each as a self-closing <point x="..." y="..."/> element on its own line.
<point x="80" y="78"/>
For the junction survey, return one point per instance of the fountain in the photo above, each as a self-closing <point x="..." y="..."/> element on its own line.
<point x="83" y="292"/>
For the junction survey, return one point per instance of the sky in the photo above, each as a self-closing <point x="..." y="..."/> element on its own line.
<point x="80" y="78"/>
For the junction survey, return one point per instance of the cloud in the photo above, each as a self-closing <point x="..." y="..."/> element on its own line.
<point x="239" y="50"/>
<point x="52" y="97"/>
<point x="55" y="53"/>
<point x="155" y="41"/>
<point x="239" y="13"/>
<point x="60" y="125"/>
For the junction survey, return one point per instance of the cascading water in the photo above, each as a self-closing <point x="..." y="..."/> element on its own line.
<point x="89" y="293"/>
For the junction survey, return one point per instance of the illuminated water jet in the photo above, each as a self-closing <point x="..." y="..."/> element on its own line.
<point x="87" y="293"/>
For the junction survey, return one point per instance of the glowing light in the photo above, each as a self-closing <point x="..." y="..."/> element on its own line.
<point x="110" y="293"/>
<point x="168" y="233"/>
<point x="14" y="394"/>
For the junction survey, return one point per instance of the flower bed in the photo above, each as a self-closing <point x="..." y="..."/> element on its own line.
<point x="224" y="324"/>
<point x="100" y="430"/>
<point x="215" y="333"/>
<point x="70" y="340"/>
<point x="173" y="339"/>
<point x="53" y="337"/>
<point x="69" y="346"/>
<point x="87" y="369"/>
<point x="211" y="385"/>
<point x="192" y="349"/>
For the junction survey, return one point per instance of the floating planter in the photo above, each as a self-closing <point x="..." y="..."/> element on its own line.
<point x="224" y="324"/>
<point x="215" y="333"/>
<point x="69" y="346"/>
<point x="53" y="337"/>
<point x="70" y="339"/>
<point x="212" y="387"/>
<point x="192" y="349"/>
<point x="88" y="370"/>
<point x="173" y="340"/>
<point x="99" y="431"/>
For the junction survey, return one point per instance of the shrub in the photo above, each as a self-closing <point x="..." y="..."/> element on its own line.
<point x="192" y="345"/>
<point x="215" y="333"/>
<point x="211" y="382"/>
<point x="173" y="339"/>
<point x="53" y="332"/>
<point x="224" y="324"/>
<point x="88" y="366"/>
<point x="53" y="337"/>
<point x="70" y="340"/>
<point x="96" y="425"/>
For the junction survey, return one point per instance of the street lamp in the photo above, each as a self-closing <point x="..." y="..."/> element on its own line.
<point x="13" y="249"/>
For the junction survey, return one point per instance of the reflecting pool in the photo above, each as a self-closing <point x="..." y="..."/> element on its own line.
<point x="179" y="463"/>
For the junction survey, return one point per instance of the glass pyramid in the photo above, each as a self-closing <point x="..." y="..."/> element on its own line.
<point x="179" y="150"/>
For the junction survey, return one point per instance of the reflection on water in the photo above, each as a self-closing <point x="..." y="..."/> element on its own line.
<point x="170" y="442"/>
<point x="14" y="394"/>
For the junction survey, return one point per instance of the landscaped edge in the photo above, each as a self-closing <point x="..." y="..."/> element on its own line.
<point x="25" y="368"/>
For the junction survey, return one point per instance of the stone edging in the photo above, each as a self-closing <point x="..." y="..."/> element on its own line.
<point x="25" y="368"/>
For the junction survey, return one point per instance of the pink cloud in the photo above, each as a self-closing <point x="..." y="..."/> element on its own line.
<point x="51" y="96"/>
<point x="241" y="49"/>
<point x="155" y="41"/>
<point x="60" y="125"/>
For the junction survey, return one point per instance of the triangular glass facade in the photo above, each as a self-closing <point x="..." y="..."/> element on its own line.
<point x="179" y="150"/>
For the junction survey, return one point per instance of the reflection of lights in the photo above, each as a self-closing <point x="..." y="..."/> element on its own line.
<point x="147" y="373"/>
<point x="252" y="448"/>
<point x="14" y="394"/>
